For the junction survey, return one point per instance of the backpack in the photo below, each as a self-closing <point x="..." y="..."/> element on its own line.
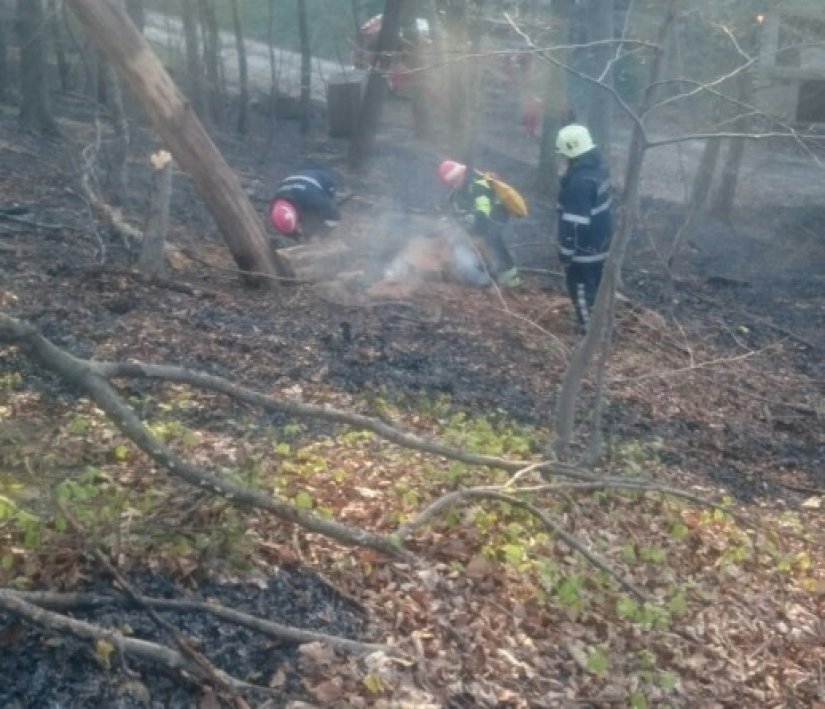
<point x="508" y="195"/>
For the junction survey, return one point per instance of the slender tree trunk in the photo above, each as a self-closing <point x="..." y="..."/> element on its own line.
<point x="243" y="74"/>
<point x="306" y="64"/>
<point x="5" y="74"/>
<point x="370" y="113"/>
<point x="59" y="43"/>
<point x="189" y="143"/>
<point x="725" y="197"/>
<point x="599" y="104"/>
<point x="455" y="25"/>
<point x="212" y="58"/>
<point x="554" y="108"/>
<point x="35" y="108"/>
<point x="193" y="61"/>
<point x="355" y="6"/>
<point x="601" y="323"/>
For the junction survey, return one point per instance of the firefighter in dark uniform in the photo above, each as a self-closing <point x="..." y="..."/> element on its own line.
<point x="585" y="225"/>
<point x="308" y="193"/>
<point x="477" y="206"/>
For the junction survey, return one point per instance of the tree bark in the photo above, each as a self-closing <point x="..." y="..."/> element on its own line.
<point x="35" y="108"/>
<point x="243" y="73"/>
<point x="370" y="111"/>
<point x="188" y="141"/>
<point x="306" y="64"/>
<point x="137" y="12"/>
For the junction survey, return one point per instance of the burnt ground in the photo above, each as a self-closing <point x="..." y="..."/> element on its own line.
<point x="750" y="423"/>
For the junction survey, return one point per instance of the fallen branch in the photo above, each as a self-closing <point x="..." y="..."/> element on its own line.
<point x="443" y="504"/>
<point x="90" y="376"/>
<point x="12" y="603"/>
<point x="88" y="601"/>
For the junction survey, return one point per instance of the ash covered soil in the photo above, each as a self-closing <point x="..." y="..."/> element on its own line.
<point x="730" y="388"/>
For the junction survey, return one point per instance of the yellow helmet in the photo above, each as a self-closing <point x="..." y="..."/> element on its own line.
<point x="574" y="140"/>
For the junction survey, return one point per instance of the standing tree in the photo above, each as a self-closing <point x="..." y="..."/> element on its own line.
<point x="212" y="58"/>
<point x="598" y="103"/>
<point x="189" y="143"/>
<point x="35" y="108"/>
<point x="243" y="72"/>
<point x="369" y="114"/>
<point x="306" y="64"/>
<point x="193" y="60"/>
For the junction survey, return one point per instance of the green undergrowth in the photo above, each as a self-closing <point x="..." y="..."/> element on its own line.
<point x="679" y="555"/>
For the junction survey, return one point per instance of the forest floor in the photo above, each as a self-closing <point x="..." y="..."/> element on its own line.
<point x="718" y="392"/>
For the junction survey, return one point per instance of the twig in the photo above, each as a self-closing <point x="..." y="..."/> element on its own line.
<point x="76" y="601"/>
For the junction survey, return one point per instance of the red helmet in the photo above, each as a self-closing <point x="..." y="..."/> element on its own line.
<point x="451" y="173"/>
<point x="284" y="216"/>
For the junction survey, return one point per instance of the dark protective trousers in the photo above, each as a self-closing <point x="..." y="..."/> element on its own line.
<point x="583" y="281"/>
<point x="496" y="254"/>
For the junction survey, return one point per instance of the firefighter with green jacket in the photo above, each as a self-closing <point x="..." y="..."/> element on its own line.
<point x="475" y="203"/>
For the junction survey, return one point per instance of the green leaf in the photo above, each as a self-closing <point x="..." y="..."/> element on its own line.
<point x="678" y="604"/>
<point x="6" y="562"/>
<point x="668" y="680"/>
<point x="626" y="608"/>
<point x="638" y="701"/>
<point x="597" y="662"/>
<point x="121" y="453"/>
<point x="303" y="500"/>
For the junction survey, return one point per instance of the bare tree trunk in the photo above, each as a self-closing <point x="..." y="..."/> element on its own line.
<point x="599" y="104"/>
<point x="554" y="109"/>
<point x="455" y="25"/>
<point x="723" y="202"/>
<point x="151" y="262"/>
<point x="243" y="73"/>
<point x="598" y="332"/>
<point x="35" y="108"/>
<point x="59" y="43"/>
<point x="212" y="58"/>
<point x="306" y="64"/>
<point x="180" y="129"/>
<point x="370" y="112"/>
<point x="5" y="74"/>
<point x="193" y="61"/>
<point x="355" y="6"/>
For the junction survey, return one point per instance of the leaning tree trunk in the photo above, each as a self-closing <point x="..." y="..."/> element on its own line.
<point x="306" y="64"/>
<point x="183" y="133"/>
<point x="35" y="109"/>
<point x="243" y="74"/>
<point x="369" y="114"/>
<point x="601" y="323"/>
<point x="137" y="12"/>
<point x="193" y="60"/>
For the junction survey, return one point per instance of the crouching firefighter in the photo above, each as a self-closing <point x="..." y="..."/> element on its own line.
<point x="477" y="206"/>
<point x="585" y="225"/>
<point x="302" y="201"/>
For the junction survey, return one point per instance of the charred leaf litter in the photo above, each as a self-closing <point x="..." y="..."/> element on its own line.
<point x="47" y="671"/>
